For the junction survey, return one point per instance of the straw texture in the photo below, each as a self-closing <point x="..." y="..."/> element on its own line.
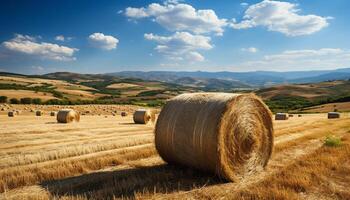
<point x="229" y="134"/>
<point x="143" y="116"/>
<point x="67" y="116"/>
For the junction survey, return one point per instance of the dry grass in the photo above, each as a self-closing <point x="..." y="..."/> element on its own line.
<point x="112" y="158"/>
<point x="26" y="93"/>
<point x="341" y="107"/>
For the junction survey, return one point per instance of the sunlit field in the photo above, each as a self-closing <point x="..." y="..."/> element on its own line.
<point x="109" y="157"/>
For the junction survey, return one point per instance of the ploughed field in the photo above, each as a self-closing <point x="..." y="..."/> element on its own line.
<point x="110" y="157"/>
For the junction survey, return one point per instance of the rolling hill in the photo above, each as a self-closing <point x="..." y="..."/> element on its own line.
<point x="74" y="88"/>
<point x="301" y="96"/>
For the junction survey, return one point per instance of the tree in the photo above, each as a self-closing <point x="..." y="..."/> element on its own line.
<point x="3" y="99"/>
<point x="26" y="100"/>
<point x="36" y="101"/>
<point x="14" y="101"/>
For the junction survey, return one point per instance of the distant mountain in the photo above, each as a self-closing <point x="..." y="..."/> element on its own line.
<point x="243" y="79"/>
<point x="210" y="84"/>
<point x="324" y="77"/>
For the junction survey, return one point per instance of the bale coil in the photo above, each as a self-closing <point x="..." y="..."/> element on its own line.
<point x="143" y="116"/>
<point x="333" y="115"/>
<point x="228" y="134"/>
<point x="67" y="116"/>
<point x="281" y="116"/>
<point x="52" y="113"/>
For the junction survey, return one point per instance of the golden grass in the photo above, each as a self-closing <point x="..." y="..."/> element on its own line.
<point x="26" y="93"/>
<point x="107" y="158"/>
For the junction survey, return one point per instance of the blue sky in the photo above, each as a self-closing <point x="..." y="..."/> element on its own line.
<point x="107" y="36"/>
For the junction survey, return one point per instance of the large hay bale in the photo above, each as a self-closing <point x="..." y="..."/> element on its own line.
<point x="333" y="115"/>
<point x="67" y="116"/>
<point x="52" y="113"/>
<point x="281" y="116"/>
<point x="38" y="113"/>
<point x="11" y="113"/>
<point x="229" y="134"/>
<point x="142" y="116"/>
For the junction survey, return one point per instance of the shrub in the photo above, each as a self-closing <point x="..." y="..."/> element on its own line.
<point x="14" y="101"/>
<point x="36" y="101"/>
<point x="332" y="141"/>
<point x="3" y="99"/>
<point x="26" y="100"/>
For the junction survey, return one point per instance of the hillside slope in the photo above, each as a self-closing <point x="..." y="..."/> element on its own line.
<point x="297" y="96"/>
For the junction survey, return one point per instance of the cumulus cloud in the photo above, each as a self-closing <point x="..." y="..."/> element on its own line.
<point x="250" y="50"/>
<point x="62" y="38"/>
<point x="106" y="42"/>
<point x="325" y="58"/>
<point x="28" y="45"/>
<point x="180" y="17"/>
<point x="181" y="45"/>
<point x="282" y="17"/>
<point x="59" y="38"/>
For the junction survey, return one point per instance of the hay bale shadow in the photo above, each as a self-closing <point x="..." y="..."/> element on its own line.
<point x="51" y="122"/>
<point x="127" y="182"/>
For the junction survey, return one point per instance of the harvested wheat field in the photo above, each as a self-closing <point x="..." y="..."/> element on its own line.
<point x="112" y="158"/>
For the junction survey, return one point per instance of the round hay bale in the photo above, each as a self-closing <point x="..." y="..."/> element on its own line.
<point x="18" y="112"/>
<point x="281" y="116"/>
<point x="52" y="113"/>
<point x="38" y="113"/>
<point x="290" y="115"/>
<point x="143" y="116"/>
<point x="300" y="115"/>
<point x="228" y="134"/>
<point x="11" y="114"/>
<point x="333" y="115"/>
<point x="124" y="114"/>
<point x="67" y="116"/>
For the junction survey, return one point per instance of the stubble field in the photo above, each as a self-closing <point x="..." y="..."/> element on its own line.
<point x="109" y="157"/>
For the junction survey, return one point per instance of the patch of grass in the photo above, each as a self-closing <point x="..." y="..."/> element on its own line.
<point x="332" y="141"/>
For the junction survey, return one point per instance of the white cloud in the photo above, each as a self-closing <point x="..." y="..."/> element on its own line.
<point x="172" y="1"/>
<point x="311" y="59"/>
<point x="180" y="17"/>
<point x="250" y="50"/>
<point x="244" y="4"/>
<point x="28" y="45"/>
<point x="181" y="45"/>
<point x="62" y="38"/>
<point x="102" y="41"/>
<point x="59" y="38"/>
<point x="282" y="17"/>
